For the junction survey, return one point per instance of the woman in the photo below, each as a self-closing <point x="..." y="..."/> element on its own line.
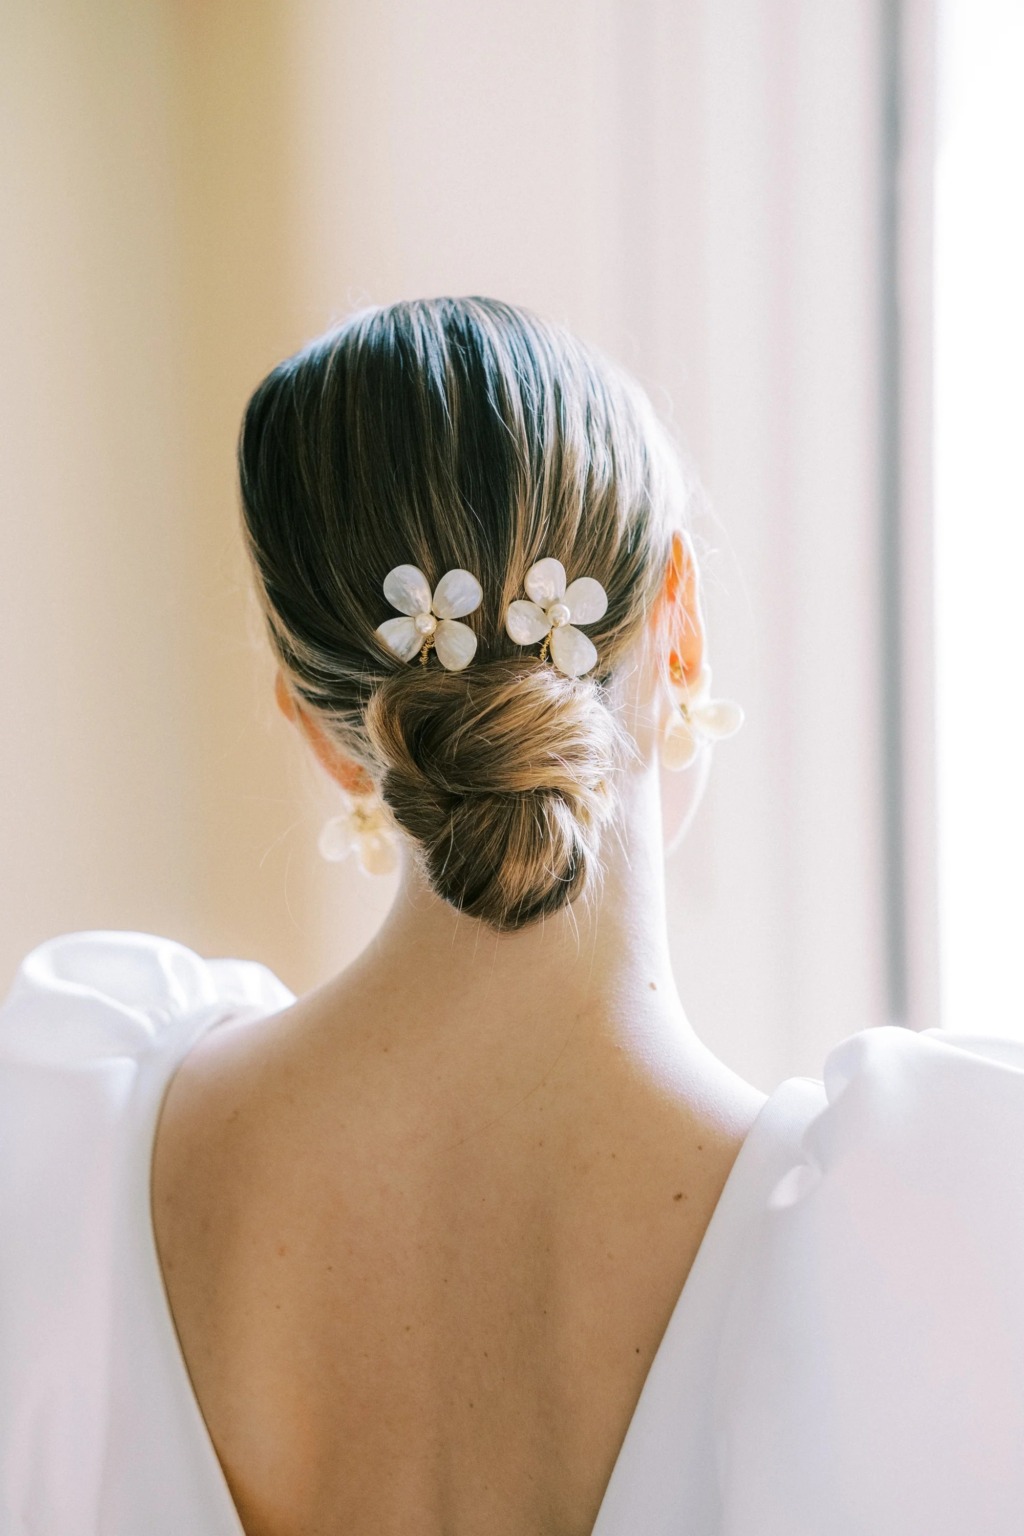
<point x="479" y="1237"/>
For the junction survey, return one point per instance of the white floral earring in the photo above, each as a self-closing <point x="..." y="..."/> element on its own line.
<point x="364" y="827"/>
<point x="695" y="717"/>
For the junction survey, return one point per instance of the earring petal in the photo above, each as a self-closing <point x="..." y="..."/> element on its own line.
<point x="545" y="581"/>
<point x="678" y="744"/>
<point x="378" y="853"/>
<point x="586" y="600"/>
<point x="401" y="637"/>
<point x="456" y="594"/>
<point x="337" y="838"/>
<point x="455" y="644"/>
<point x="571" y="651"/>
<point x="718" y="718"/>
<point x="407" y="589"/>
<point x="525" y="623"/>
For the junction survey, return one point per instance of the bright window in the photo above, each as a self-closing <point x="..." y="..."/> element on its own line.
<point x="979" y="434"/>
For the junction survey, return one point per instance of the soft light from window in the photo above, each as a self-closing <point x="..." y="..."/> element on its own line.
<point x="979" y="427"/>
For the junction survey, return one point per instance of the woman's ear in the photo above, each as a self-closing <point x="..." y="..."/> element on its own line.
<point x="344" y="770"/>
<point x="681" y="594"/>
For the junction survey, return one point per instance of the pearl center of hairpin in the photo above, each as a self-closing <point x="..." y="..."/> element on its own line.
<point x="558" y="614"/>
<point x="425" y="623"/>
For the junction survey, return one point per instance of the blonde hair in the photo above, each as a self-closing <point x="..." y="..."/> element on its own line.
<point x="466" y="433"/>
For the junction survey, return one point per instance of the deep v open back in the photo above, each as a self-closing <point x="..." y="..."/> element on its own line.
<point x="847" y="1353"/>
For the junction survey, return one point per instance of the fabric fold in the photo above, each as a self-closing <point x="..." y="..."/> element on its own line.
<point x="871" y="1375"/>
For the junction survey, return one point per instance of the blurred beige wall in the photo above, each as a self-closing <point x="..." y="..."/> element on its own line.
<point x="193" y="190"/>
<point x="100" y="762"/>
<point x="147" y="167"/>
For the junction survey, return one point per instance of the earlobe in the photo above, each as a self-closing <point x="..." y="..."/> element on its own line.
<point x="352" y="776"/>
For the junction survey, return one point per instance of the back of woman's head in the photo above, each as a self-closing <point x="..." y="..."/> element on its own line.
<point x="445" y="434"/>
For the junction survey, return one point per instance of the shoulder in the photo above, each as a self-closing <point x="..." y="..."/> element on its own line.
<point x="214" y="1134"/>
<point x="86" y="996"/>
<point x="874" y="1355"/>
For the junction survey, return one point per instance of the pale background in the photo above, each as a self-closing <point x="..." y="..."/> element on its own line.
<point x="979" y="534"/>
<point x="191" y="190"/>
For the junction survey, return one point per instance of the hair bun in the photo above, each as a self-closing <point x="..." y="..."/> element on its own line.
<point x="501" y="775"/>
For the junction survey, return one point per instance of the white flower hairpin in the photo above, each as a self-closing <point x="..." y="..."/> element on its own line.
<point x="695" y="718"/>
<point x="431" y="620"/>
<point x="552" y="614"/>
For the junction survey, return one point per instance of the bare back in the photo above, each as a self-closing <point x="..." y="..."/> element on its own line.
<point x="404" y="1313"/>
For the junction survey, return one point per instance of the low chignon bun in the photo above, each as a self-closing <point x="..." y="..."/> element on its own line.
<point x="502" y="775"/>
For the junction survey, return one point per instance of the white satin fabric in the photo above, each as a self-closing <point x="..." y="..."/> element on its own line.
<point x="846" y="1357"/>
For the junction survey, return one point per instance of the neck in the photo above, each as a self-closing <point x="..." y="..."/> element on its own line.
<point x="604" y="963"/>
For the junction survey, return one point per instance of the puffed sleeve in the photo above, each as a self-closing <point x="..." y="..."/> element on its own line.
<point x="98" y="1431"/>
<point x="92" y="995"/>
<point x="871" y="1375"/>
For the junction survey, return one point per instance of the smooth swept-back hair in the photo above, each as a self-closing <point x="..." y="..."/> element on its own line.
<point x="467" y="433"/>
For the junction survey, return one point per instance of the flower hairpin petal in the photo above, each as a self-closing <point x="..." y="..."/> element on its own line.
<point x="696" y="719"/>
<point x="431" y="620"/>
<point x="550" y="613"/>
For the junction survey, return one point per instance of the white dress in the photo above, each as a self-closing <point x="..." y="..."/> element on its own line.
<point x="846" y="1357"/>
